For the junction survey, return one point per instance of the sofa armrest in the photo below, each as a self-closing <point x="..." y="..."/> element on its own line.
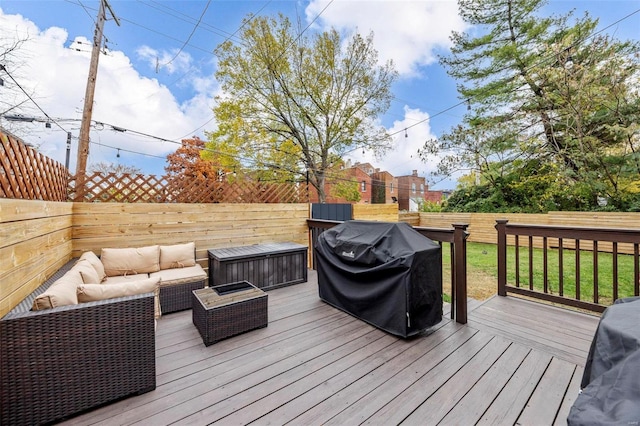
<point x="60" y="361"/>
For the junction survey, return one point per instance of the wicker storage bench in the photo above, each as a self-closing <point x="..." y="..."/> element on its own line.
<point x="227" y="310"/>
<point x="59" y="362"/>
<point x="267" y="266"/>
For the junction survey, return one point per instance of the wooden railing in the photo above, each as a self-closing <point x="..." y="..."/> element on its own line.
<point x="457" y="239"/>
<point x="563" y="264"/>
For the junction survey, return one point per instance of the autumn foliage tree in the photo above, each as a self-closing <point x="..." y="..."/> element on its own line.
<point x="187" y="164"/>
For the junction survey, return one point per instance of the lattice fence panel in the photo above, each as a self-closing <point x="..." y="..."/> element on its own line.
<point x="124" y="188"/>
<point x="27" y="174"/>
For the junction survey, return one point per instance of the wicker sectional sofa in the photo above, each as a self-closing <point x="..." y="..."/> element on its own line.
<point x="67" y="359"/>
<point x="174" y="265"/>
<point x="58" y="359"/>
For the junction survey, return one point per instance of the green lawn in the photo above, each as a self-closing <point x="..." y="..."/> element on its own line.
<point x="483" y="257"/>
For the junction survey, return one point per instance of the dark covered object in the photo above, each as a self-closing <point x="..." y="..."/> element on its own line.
<point x="386" y="274"/>
<point x="611" y="379"/>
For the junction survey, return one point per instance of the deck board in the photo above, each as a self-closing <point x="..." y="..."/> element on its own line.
<point x="514" y="362"/>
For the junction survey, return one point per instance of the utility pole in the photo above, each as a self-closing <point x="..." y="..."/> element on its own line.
<point x="83" y="143"/>
<point x="66" y="162"/>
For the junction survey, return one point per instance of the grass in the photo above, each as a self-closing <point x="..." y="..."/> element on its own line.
<point x="482" y="272"/>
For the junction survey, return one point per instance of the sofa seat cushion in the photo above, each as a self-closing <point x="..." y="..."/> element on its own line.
<point x="130" y="261"/>
<point x="96" y="292"/>
<point x="125" y="279"/>
<point x="91" y="257"/>
<point x="61" y="293"/>
<point x="177" y="276"/>
<point x="177" y="256"/>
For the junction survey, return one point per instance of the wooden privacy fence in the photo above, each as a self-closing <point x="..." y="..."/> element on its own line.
<point x="457" y="239"/>
<point x="26" y="174"/>
<point x="564" y="264"/>
<point x="482" y="225"/>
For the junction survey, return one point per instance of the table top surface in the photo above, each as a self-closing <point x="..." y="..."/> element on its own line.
<point x="230" y="253"/>
<point x="211" y="299"/>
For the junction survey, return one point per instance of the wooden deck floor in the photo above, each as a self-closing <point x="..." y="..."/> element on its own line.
<point x="514" y="362"/>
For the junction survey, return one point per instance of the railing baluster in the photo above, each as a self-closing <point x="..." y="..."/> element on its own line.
<point x="577" y="244"/>
<point x="595" y="272"/>
<point x="517" y="249"/>
<point x="530" y="262"/>
<point x="545" y="265"/>
<point x="615" y="271"/>
<point x="560" y="269"/>
<point x="636" y="270"/>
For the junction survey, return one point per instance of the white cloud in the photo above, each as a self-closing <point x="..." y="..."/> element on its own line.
<point x="172" y="62"/>
<point x="408" y="32"/>
<point x="57" y="76"/>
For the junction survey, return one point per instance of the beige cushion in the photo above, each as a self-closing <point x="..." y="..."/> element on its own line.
<point x="127" y="261"/>
<point x="95" y="262"/>
<point x="87" y="272"/>
<point x="95" y="292"/>
<point x="177" y="256"/>
<point x="176" y="276"/>
<point x="61" y="293"/>
<point x="125" y="278"/>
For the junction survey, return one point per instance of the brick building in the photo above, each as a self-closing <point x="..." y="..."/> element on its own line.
<point x="385" y="187"/>
<point x="358" y="172"/>
<point x="411" y="191"/>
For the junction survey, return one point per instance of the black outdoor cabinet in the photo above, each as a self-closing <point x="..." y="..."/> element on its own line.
<point x="266" y="266"/>
<point x="386" y="274"/>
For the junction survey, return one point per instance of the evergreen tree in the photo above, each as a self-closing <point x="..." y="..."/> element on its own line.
<point x="539" y="89"/>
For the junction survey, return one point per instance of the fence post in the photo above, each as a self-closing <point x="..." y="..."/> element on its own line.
<point x="460" y="235"/>
<point x="501" y="227"/>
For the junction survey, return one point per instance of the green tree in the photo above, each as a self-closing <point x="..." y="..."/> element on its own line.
<point x="541" y="91"/>
<point x="293" y="102"/>
<point x="346" y="188"/>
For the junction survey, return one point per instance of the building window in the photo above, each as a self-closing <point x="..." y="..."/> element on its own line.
<point x="422" y="188"/>
<point x="391" y="186"/>
<point x="363" y="186"/>
<point x="413" y="187"/>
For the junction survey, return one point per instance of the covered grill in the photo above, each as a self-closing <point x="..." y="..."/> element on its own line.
<point x="386" y="274"/>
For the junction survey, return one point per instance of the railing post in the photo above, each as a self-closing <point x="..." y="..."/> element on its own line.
<point x="501" y="227"/>
<point x="460" y="235"/>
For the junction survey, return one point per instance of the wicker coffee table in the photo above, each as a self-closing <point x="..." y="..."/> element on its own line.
<point x="227" y="310"/>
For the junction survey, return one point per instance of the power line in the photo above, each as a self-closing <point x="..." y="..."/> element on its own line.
<point x="3" y="68"/>
<point x="190" y="35"/>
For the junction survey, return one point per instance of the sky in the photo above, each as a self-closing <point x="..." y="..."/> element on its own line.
<point x="156" y="86"/>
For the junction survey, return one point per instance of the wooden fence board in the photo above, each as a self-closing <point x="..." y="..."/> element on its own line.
<point x="482" y="225"/>
<point x="12" y="210"/>
<point x="379" y="212"/>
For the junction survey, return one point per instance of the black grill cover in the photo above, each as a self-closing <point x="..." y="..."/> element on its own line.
<point x="386" y="274"/>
